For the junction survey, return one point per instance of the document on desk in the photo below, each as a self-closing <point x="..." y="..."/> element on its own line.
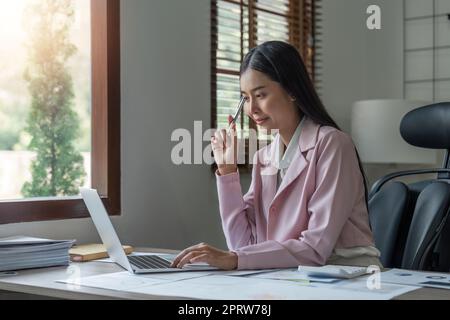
<point x="125" y="281"/>
<point x="242" y="273"/>
<point x="293" y="275"/>
<point x="369" y="284"/>
<point x="219" y="287"/>
<point x="417" y="278"/>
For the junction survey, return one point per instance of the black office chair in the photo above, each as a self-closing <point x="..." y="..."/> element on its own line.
<point x="410" y="222"/>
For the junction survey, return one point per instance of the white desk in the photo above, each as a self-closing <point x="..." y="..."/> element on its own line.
<point x="41" y="283"/>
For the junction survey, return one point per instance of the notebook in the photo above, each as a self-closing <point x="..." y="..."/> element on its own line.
<point x="93" y="251"/>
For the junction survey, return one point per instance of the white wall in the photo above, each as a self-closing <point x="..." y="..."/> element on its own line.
<point x="359" y="63"/>
<point x="165" y="85"/>
<point x="384" y="52"/>
<point x="343" y="57"/>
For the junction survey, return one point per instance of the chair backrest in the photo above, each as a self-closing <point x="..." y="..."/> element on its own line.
<point x="428" y="221"/>
<point x="390" y="218"/>
<point x="441" y="252"/>
<point x="410" y="223"/>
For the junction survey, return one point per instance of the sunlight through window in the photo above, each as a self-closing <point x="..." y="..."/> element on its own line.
<point x="45" y="98"/>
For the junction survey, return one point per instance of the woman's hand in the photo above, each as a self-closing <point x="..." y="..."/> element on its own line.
<point x="224" y="146"/>
<point x="203" y="252"/>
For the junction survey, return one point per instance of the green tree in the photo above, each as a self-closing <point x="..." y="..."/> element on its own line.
<point x="52" y="123"/>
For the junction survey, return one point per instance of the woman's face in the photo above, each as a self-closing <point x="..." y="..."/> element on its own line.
<point x="267" y="103"/>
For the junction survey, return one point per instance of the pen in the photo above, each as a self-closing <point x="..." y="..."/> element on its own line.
<point x="238" y="112"/>
<point x="301" y="281"/>
<point x="8" y="273"/>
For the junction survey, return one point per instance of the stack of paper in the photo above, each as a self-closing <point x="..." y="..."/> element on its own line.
<point x="25" y="253"/>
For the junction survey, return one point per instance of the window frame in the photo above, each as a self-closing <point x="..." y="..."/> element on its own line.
<point x="105" y="153"/>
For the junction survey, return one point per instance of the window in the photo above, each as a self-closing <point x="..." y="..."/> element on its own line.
<point x="50" y="87"/>
<point x="239" y="25"/>
<point x="426" y="50"/>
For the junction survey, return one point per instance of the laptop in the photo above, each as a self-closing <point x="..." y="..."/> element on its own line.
<point x="151" y="263"/>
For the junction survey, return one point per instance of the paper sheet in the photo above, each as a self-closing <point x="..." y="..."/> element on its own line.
<point x="240" y="288"/>
<point x="121" y="281"/>
<point x="369" y="284"/>
<point x="214" y="285"/>
<point x="293" y="275"/>
<point x="417" y="278"/>
<point x="241" y="273"/>
<point x="125" y="281"/>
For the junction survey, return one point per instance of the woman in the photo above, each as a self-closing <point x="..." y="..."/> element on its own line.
<point x="307" y="203"/>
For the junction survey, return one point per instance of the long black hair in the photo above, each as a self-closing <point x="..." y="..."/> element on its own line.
<point x="282" y="63"/>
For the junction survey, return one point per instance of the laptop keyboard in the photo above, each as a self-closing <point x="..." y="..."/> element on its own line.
<point x="149" y="262"/>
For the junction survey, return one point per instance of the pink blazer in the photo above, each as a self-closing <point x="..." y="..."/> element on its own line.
<point x="318" y="207"/>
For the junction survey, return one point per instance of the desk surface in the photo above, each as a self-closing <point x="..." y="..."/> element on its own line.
<point x="41" y="282"/>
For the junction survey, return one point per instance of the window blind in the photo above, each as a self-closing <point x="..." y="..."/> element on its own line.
<point x="312" y="40"/>
<point x="237" y="26"/>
